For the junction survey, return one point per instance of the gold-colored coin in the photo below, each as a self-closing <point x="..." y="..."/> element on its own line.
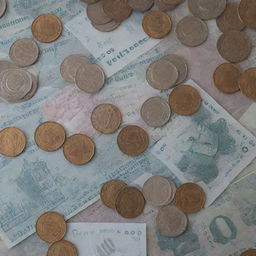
<point x="51" y="227"/>
<point x="109" y="192"/>
<point x="50" y="136"/>
<point x="62" y="248"/>
<point x="247" y="13"/>
<point x="185" y="100"/>
<point x="250" y="252"/>
<point x="79" y="149"/>
<point x="157" y="24"/>
<point x="247" y="83"/>
<point x="12" y="142"/>
<point x="47" y="28"/>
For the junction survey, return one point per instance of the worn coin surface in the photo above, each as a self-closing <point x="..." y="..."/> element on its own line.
<point x="130" y="202"/>
<point x="109" y="192"/>
<point x="192" y="31"/>
<point x="185" y="100"/>
<point x="12" y="142"/>
<point x="162" y="6"/>
<point x="140" y="6"/>
<point x="106" y="118"/>
<point x="51" y="227"/>
<point x="108" y="27"/>
<point x="247" y="83"/>
<point x="3" y="7"/>
<point x="33" y="90"/>
<point x="96" y="13"/>
<point x="62" y="248"/>
<point x="79" y="149"/>
<point x="234" y="46"/>
<point x="133" y="140"/>
<point x="157" y="24"/>
<point x="155" y="112"/>
<point x="247" y="13"/>
<point x="171" y="221"/>
<point x="50" y="136"/>
<point x="226" y="77"/>
<point x="47" y="28"/>
<point x="251" y="252"/>
<point x="190" y="198"/>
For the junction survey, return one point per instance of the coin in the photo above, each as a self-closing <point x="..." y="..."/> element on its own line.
<point x="90" y="78"/>
<point x="234" y="46"/>
<point x="90" y="1"/>
<point x="109" y="192"/>
<point x="24" y="52"/>
<point x="163" y="6"/>
<point x="133" y="140"/>
<point x="159" y="191"/>
<point x="207" y="9"/>
<point x="3" y="6"/>
<point x="185" y="100"/>
<point x="171" y="221"/>
<point x="162" y="74"/>
<point x="226" y="77"/>
<point x="79" y="149"/>
<point x="4" y="65"/>
<point x="176" y="2"/>
<point x="106" y="118"/>
<point x="155" y="112"/>
<point x="70" y="65"/>
<point x="190" y="198"/>
<point x="250" y="252"/>
<point x="51" y="227"/>
<point x="62" y="248"/>
<point x="157" y="24"/>
<point x="47" y="28"/>
<point x="247" y="83"/>
<point x="96" y="13"/>
<point x="247" y="13"/>
<point x="12" y="142"/>
<point x="130" y="202"/>
<point x="33" y="90"/>
<point x="140" y="6"/>
<point x="110" y="26"/>
<point x="191" y="31"/>
<point x="229" y="19"/>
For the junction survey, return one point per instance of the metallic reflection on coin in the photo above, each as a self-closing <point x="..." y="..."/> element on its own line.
<point x="140" y="6"/>
<point x="247" y="83"/>
<point x="247" y="13"/>
<point x="250" y="252"/>
<point x="162" y="6"/>
<point x="3" y="7"/>
<point x="62" y="248"/>
<point x="108" y="27"/>
<point x="96" y="13"/>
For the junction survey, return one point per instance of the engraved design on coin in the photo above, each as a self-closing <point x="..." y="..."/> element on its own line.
<point x="62" y="248"/>
<point x="3" y="7"/>
<point x="96" y="13"/>
<point x="140" y="6"/>
<point x="247" y="83"/>
<point x="247" y="13"/>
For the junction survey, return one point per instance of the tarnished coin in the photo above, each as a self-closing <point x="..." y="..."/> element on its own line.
<point x="50" y="136"/>
<point x="251" y="252"/>
<point x="62" y="248"/>
<point x="109" y="192"/>
<point x="155" y="112"/>
<point x="51" y="227"/>
<point x="226" y="77"/>
<point x="162" y="74"/>
<point x="162" y="6"/>
<point x="190" y="198"/>
<point x="234" y="46"/>
<point x="24" y="52"/>
<point x="90" y="78"/>
<point x="133" y="140"/>
<point x="159" y="191"/>
<point x="140" y="5"/>
<point x="247" y="13"/>
<point x="191" y="31"/>
<point x="110" y="26"/>
<point x="79" y="149"/>
<point x="12" y="142"/>
<point x="185" y="100"/>
<point x="171" y="221"/>
<point x="70" y="65"/>
<point x="247" y="83"/>
<point x="157" y="24"/>
<point x="229" y="19"/>
<point x="3" y="6"/>
<point x="106" y="118"/>
<point x="130" y="202"/>
<point x="207" y="9"/>
<point x="47" y="28"/>
<point x="96" y="13"/>
<point x="4" y="65"/>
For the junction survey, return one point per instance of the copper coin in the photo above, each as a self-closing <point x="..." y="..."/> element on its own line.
<point x="51" y="227"/>
<point x="79" y="149"/>
<point x="157" y="24"/>
<point x="140" y="5"/>
<point x="185" y="100"/>
<point x="96" y="14"/>
<point x="47" y="28"/>
<point x="50" y="136"/>
<point x="12" y="142"/>
<point x="190" y="198"/>
<point x="226" y="77"/>
<point x="130" y="202"/>
<point x="162" y="6"/>
<point x="109" y="192"/>
<point x="234" y="46"/>
<point x="247" y="83"/>
<point x="106" y="118"/>
<point x="62" y="248"/>
<point x="133" y="140"/>
<point x="250" y="252"/>
<point x="247" y="13"/>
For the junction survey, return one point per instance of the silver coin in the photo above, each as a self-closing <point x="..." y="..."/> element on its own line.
<point x="162" y="74"/>
<point x="3" y="7"/>
<point x="110" y="26"/>
<point x="90" y="78"/>
<point x="155" y="112"/>
<point x="70" y="65"/>
<point x="162" y="6"/>
<point x="171" y="221"/>
<point x="192" y="31"/>
<point x="33" y="90"/>
<point x="96" y="13"/>
<point x="4" y="65"/>
<point x="140" y="5"/>
<point x="207" y="9"/>
<point x="24" y="52"/>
